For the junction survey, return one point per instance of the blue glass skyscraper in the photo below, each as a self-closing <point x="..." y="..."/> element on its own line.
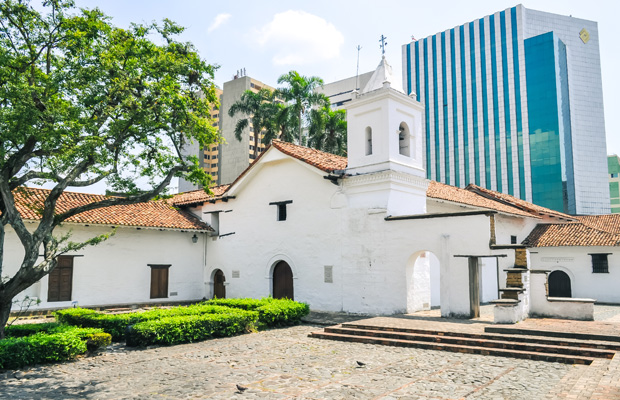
<point x="514" y="103"/>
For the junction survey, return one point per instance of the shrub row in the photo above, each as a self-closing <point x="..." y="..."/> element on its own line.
<point x="272" y="312"/>
<point x="116" y="324"/>
<point x="29" y="329"/>
<point x="50" y="344"/>
<point x="190" y="328"/>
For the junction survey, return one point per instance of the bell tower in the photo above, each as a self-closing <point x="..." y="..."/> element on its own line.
<point x="385" y="149"/>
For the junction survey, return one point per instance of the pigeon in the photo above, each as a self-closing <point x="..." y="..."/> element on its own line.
<point x="241" y="389"/>
<point x="360" y="364"/>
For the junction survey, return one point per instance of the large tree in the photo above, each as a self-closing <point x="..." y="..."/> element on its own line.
<point x="299" y="92"/>
<point x="81" y="102"/>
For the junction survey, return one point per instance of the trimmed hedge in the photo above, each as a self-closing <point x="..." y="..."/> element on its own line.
<point x="272" y="312"/>
<point x="190" y="328"/>
<point x="116" y="324"/>
<point x="58" y="344"/>
<point x="29" y="329"/>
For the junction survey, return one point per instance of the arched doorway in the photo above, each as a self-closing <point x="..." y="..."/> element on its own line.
<point x="282" y="281"/>
<point x="559" y="284"/>
<point x="219" y="290"/>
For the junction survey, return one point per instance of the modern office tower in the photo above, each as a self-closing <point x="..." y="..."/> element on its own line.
<point x="208" y="156"/>
<point x="613" y="166"/>
<point x="514" y="103"/>
<point x="234" y="155"/>
<point x="340" y="92"/>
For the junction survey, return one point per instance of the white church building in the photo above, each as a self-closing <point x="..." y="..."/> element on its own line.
<point x="363" y="234"/>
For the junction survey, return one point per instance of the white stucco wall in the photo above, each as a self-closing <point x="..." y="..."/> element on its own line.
<point x="370" y="257"/>
<point x="116" y="271"/>
<point x="577" y="263"/>
<point x="544" y="306"/>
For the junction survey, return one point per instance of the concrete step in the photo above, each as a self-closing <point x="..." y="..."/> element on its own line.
<point x="585" y="337"/>
<point x="476" y="342"/>
<point x="457" y="348"/>
<point x="515" y="337"/>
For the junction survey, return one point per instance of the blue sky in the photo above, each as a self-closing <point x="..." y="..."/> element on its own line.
<point x="319" y="38"/>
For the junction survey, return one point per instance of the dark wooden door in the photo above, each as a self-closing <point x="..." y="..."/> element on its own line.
<point x="282" y="281"/>
<point x="61" y="280"/>
<point x="219" y="290"/>
<point x="559" y="284"/>
<point x="159" y="281"/>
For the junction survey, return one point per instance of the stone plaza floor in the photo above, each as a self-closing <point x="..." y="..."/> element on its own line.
<point x="287" y="364"/>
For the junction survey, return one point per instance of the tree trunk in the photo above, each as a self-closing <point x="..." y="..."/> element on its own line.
<point x="256" y="144"/>
<point x="5" y="311"/>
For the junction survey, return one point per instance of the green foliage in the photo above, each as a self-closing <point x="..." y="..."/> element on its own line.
<point x="272" y="312"/>
<point x="29" y="329"/>
<point x="328" y="131"/>
<point x="190" y="328"/>
<point x="83" y="101"/>
<point x="50" y="344"/>
<point x="116" y="324"/>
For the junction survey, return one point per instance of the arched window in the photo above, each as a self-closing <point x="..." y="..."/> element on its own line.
<point x="404" y="140"/>
<point x="368" y="140"/>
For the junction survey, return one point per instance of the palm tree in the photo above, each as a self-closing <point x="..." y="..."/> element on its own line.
<point x="328" y="130"/>
<point x="252" y="106"/>
<point x="300" y="94"/>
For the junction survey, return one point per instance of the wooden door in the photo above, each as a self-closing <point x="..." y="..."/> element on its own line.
<point x="159" y="281"/>
<point x="282" y="281"/>
<point x="219" y="290"/>
<point x="559" y="284"/>
<point x="60" y="282"/>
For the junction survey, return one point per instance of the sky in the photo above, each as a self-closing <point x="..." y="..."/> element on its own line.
<point x="320" y="38"/>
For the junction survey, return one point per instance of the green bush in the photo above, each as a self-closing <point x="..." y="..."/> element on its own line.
<point x="272" y="312"/>
<point x="116" y="324"/>
<point x="57" y="344"/>
<point x="190" y="328"/>
<point x="29" y="329"/>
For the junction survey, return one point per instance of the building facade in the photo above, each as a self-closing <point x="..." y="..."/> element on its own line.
<point x="613" y="166"/>
<point x="235" y="155"/>
<point x="514" y="103"/>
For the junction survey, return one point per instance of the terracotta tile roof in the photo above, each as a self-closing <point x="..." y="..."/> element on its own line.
<point x="570" y="234"/>
<point x="152" y="214"/>
<point x="607" y="223"/>
<point x="516" y="202"/>
<point x="198" y="196"/>
<point x="324" y="161"/>
<point x="442" y="191"/>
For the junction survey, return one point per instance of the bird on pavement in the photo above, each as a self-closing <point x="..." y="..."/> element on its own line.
<point x="241" y="389"/>
<point x="360" y="364"/>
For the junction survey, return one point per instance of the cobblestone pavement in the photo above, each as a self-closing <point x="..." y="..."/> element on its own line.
<point x="287" y="364"/>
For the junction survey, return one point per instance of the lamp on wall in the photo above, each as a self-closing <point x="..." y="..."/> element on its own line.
<point x="194" y="238"/>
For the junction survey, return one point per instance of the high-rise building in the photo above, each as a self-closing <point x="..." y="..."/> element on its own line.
<point x="514" y="103"/>
<point x="340" y="92"/>
<point x="235" y="155"/>
<point x="613" y="166"/>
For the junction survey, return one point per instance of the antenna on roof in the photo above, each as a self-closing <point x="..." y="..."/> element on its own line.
<point x="357" y="73"/>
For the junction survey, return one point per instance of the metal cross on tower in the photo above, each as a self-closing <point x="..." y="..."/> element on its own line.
<point x="384" y="43"/>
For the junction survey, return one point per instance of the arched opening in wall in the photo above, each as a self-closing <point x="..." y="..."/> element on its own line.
<point x="404" y="140"/>
<point x="282" y="281"/>
<point x="559" y="284"/>
<point x="219" y="289"/>
<point x="423" y="282"/>
<point x="368" y="138"/>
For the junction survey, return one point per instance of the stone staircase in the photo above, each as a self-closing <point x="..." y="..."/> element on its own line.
<point x="527" y="345"/>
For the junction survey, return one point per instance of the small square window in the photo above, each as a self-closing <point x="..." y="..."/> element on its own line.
<point x="513" y="239"/>
<point x="281" y="212"/>
<point x="600" y="264"/>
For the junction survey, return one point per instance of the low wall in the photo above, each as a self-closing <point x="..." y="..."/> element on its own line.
<point x="556" y="307"/>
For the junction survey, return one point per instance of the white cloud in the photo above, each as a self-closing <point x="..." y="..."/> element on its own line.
<point x="300" y="38"/>
<point x="219" y="20"/>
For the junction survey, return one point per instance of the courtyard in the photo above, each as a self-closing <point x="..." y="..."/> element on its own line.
<point x="287" y="364"/>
